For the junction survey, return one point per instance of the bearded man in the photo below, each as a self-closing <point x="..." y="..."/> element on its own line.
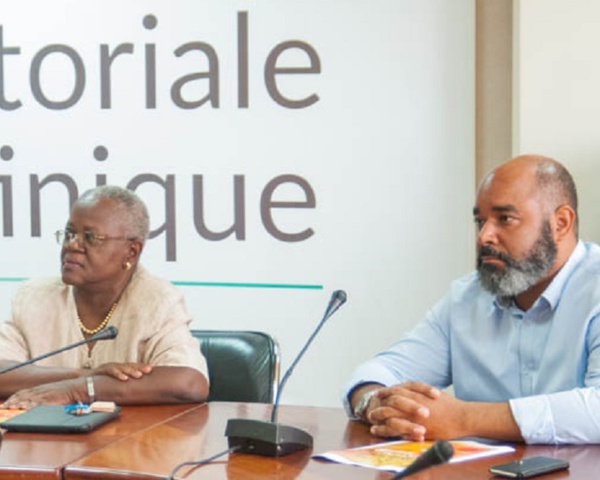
<point x="518" y="339"/>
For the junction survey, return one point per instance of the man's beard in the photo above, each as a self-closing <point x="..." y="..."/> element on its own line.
<point x="518" y="275"/>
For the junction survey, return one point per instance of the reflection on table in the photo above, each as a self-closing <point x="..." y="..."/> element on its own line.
<point x="199" y="433"/>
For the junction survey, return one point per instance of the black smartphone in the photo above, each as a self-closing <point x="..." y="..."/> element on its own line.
<point x="529" y="467"/>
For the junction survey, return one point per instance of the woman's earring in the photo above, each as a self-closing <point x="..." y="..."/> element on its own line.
<point x="127" y="266"/>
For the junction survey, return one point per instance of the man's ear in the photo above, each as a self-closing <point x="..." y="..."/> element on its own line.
<point x="563" y="222"/>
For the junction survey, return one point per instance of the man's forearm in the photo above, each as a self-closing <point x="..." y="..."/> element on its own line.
<point x="415" y="410"/>
<point x="489" y="420"/>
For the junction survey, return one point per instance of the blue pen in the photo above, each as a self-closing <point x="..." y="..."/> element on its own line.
<point x="77" y="409"/>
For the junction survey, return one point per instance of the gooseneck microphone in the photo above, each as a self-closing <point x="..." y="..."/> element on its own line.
<point x="271" y="438"/>
<point x="107" y="334"/>
<point x="338" y="298"/>
<point x="440" y="452"/>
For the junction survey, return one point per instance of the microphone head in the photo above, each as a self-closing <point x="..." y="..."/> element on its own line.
<point x="107" y="334"/>
<point x="443" y="451"/>
<point x="440" y="452"/>
<point x="339" y="296"/>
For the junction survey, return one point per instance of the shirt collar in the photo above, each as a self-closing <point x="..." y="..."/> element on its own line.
<point x="554" y="291"/>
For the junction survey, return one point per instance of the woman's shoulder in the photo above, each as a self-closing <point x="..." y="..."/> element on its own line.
<point x="152" y="298"/>
<point x="40" y="294"/>
<point x="144" y="280"/>
<point x="149" y="291"/>
<point x="41" y="286"/>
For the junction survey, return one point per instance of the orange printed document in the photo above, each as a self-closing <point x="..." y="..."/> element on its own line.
<point x="8" y="413"/>
<point x="396" y="456"/>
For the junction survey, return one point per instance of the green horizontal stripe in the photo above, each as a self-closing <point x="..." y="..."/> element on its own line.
<point x="250" y="285"/>
<point x="218" y="284"/>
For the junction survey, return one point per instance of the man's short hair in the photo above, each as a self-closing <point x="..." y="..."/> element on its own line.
<point x="557" y="186"/>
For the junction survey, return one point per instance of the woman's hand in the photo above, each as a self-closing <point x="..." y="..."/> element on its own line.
<point x="65" y="392"/>
<point x="120" y="371"/>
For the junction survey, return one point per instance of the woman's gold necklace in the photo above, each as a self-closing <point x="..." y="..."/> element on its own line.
<point x="92" y="331"/>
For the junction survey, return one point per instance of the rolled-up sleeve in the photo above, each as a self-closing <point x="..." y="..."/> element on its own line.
<point x="571" y="416"/>
<point x="566" y="417"/>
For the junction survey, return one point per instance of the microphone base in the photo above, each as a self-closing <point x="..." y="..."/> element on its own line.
<point x="265" y="438"/>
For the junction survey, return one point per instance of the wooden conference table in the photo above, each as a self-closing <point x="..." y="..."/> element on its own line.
<point x="147" y="442"/>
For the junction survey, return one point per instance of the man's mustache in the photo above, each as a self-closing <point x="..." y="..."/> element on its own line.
<point x="492" y="252"/>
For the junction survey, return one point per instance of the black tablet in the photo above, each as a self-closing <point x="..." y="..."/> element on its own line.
<point x="54" y="419"/>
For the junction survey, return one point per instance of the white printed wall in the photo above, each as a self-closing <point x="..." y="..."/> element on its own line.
<point x="557" y="96"/>
<point x="285" y="149"/>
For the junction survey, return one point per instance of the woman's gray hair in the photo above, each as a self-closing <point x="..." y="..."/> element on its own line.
<point x="130" y="205"/>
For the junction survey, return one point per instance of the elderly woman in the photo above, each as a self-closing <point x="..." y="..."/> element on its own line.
<point x="154" y="358"/>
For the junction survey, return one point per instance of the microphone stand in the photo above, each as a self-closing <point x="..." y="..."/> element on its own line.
<point x="106" y="334"/>
<point x="272" y="439"/>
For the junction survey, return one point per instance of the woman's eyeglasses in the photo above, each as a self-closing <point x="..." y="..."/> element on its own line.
<point x="87" y="238"/>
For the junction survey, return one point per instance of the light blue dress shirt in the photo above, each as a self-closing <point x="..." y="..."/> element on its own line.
<point x="545" y="361"/>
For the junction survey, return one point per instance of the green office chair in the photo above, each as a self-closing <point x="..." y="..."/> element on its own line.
<point x="243" y="366"/>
